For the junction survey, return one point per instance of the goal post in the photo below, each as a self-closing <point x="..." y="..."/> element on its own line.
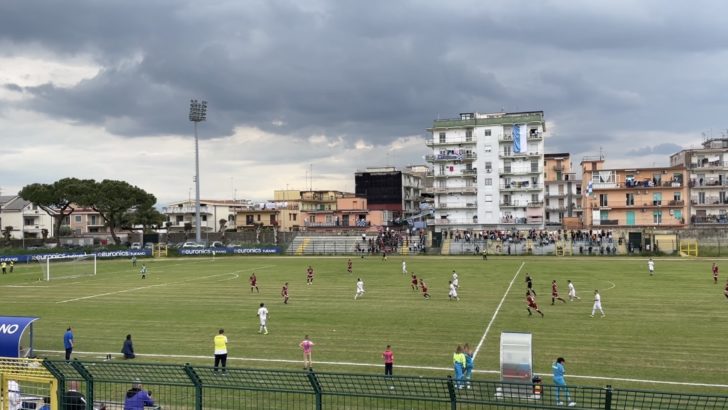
<point x="67" y="267"/>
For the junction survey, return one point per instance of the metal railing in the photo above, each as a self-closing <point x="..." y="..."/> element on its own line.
<point x="106" y="384"/>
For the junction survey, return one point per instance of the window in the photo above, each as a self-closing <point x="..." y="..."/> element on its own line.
<point x="603" y="215"/>
<point x="180" y="219"/>
<point x="487" y="133"/>
<point x="506" y="166"/>
<point x="204" y="218"/>
<point x="78" y="218"/>
<point x="94" y="220"/>
<point x="312" y="218"/>
<point x="488" y="166"/>
<point x="534" y="198"/>
<point x="677" y="196"/>
<point x="488" y="148"/>
<point x="468" y="135"/>
<point x="657" y="198"/>
<point x="442" y="138"/>
<point x="272" y="219"/>
<point x="294" y="216"/>
<point x="701" y="197"/>
<point x="28" y="221"/>
<point x="534" y="165"/>
<point x="603" y="200"/>
<point x="488" y="181"/>
<point x="248" y="219"/>
<point x="489" y="198"/>
<point x="657" y="217"/>
<point x="258" y="217"/>
<point x="630" y="200"/>
<point x="507" y="151"/>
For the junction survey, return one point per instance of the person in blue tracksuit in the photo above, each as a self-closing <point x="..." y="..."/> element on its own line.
<point x="560" y="382"/>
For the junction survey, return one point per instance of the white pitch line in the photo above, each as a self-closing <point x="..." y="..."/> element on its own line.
<point x="613" y="286"/>
<point x="447" y="369"/>
<point x="492" y="319"/>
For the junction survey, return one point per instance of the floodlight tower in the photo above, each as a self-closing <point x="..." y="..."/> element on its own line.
<point x="198" y="113"/>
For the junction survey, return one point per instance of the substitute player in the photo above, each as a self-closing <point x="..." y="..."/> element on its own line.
<point x="359" y="288"/>
<point x="309" y="275"/>
<point x="263" y="316"/>
<point x="284" y="293"/>
<point x="531" y="304"/>
<point x="254" y="283"/>
<point x="597" y="303"/>
<point x="572" y="292"/>
<point x="555" y="293"/>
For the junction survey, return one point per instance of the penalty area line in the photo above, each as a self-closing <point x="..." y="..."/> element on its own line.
<point x="495" y="314"/>
<point x="378" y="365"/>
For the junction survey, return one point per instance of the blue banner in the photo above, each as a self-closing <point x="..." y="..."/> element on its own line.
<point x="11" y="332"/>
<point x="104" y="254"/>
<point x="267" y="250"/>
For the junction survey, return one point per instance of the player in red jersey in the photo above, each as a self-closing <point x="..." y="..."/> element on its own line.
<point x="414" y="282"/>
<point x="726" y="290"/>
<point x="348" y="266"/>
<point x="531" y="304"/>
<point x="254" y="283"/>
<point x="309" y="275"/>
<point x="423" y="286"/>
<point x="284" y="293"/>
<point x="555" y="293"/>
<point x="715" y="273"/>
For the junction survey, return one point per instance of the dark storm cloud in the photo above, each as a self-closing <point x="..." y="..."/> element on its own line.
<point x="372" y="70"/>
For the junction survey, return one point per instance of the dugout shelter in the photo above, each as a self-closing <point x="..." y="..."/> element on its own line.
<point x="16" y="336"/>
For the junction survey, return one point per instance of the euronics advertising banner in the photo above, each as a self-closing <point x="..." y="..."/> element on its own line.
<point x="267" y="250"/>
<point x="104" y="254"/>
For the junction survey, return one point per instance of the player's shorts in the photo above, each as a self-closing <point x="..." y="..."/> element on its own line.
<point x="572" y="294"/>
<point x="533" y="306"/>
<point x="555" y="294"/>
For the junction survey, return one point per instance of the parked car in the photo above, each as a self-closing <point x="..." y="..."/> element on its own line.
<point x="135" y="245"/>
<point x="189" y="245"/>
<point x="217" y="244"/>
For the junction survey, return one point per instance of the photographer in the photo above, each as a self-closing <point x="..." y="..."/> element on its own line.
<point x="137" y="398"/>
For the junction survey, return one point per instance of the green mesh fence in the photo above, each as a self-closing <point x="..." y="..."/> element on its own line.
<point x="110" y="384"/>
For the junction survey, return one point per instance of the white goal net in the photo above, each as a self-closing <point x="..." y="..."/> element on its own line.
<point x="67" y="267"/>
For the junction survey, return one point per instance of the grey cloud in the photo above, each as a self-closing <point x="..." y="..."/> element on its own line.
<point x="13" y="87"/>
<point x="662" y="149"/>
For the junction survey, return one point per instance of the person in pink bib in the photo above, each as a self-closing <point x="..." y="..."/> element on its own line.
<point x="307" y="346"/>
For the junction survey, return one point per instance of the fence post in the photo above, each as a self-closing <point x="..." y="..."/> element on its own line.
<point x="451" y="390"/>
<point x="195" y="379"/>
<point x="316" y="388"/>
<point x="608" y="397"/>
<point x="89" y="379"/>
<point x="53" y="370"/>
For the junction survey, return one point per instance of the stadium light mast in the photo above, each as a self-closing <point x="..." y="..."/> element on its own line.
<point x="198" y="113"/>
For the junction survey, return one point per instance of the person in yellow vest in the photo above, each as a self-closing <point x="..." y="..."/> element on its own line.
<point x="12" y="266"/>
<point x="458" y="362"/>
<point x="220" y="349"/>
<point x="4" y="267"/>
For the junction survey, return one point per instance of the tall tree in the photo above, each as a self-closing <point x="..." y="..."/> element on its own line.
<point x="57" y="199"/>
<point x="116" y="202"/>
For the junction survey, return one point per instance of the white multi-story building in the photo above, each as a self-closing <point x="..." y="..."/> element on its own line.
<point x="24" y="218"/>
<point x="488" y="171"/>
<point x="182" y="213"/>
<point x="708" y="181"/>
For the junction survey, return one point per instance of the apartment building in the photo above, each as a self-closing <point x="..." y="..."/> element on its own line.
<point x="562" y="191"/>
<point x="634" y="197"/>
<point x="707" y="176"/>
<point x="182" y="213"/>
<point x="394" y="193"/>
<point x="24" y="218"/>
<point x="488" y="171"/>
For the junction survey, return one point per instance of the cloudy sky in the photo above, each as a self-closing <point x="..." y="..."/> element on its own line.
<point x="101" y="89"/>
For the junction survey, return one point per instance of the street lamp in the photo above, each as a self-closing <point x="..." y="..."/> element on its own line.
<point x="198" y="113"/>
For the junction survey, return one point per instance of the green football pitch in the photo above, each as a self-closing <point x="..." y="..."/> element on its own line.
<point x="664" y="332"/>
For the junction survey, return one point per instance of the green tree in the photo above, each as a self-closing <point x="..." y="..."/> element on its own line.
<point x="57" y="199"/>
<point x="149" y="218"/>
<point x="117" y="202"/>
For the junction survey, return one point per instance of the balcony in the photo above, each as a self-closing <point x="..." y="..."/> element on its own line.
<point x="511" y="171"/>
<point x="710" y="203"/>
<point x="447" y="221"/>
<point x="521" y="186"/>
<point x="519" y="154"/>
<point x="457" y="206"/>
<point x="676" y="202"/>
<point x="609" y="222"/>
<point x="709" y="165"/>
<point x="468" y="156"/>
<point x="707" y="184"/>
<point x="173" y="210"/>
<point x="435" y="142"/>
<point x="506" y="138"/>
<point x="535" y="204"/>
<point x="454" y="190"/>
